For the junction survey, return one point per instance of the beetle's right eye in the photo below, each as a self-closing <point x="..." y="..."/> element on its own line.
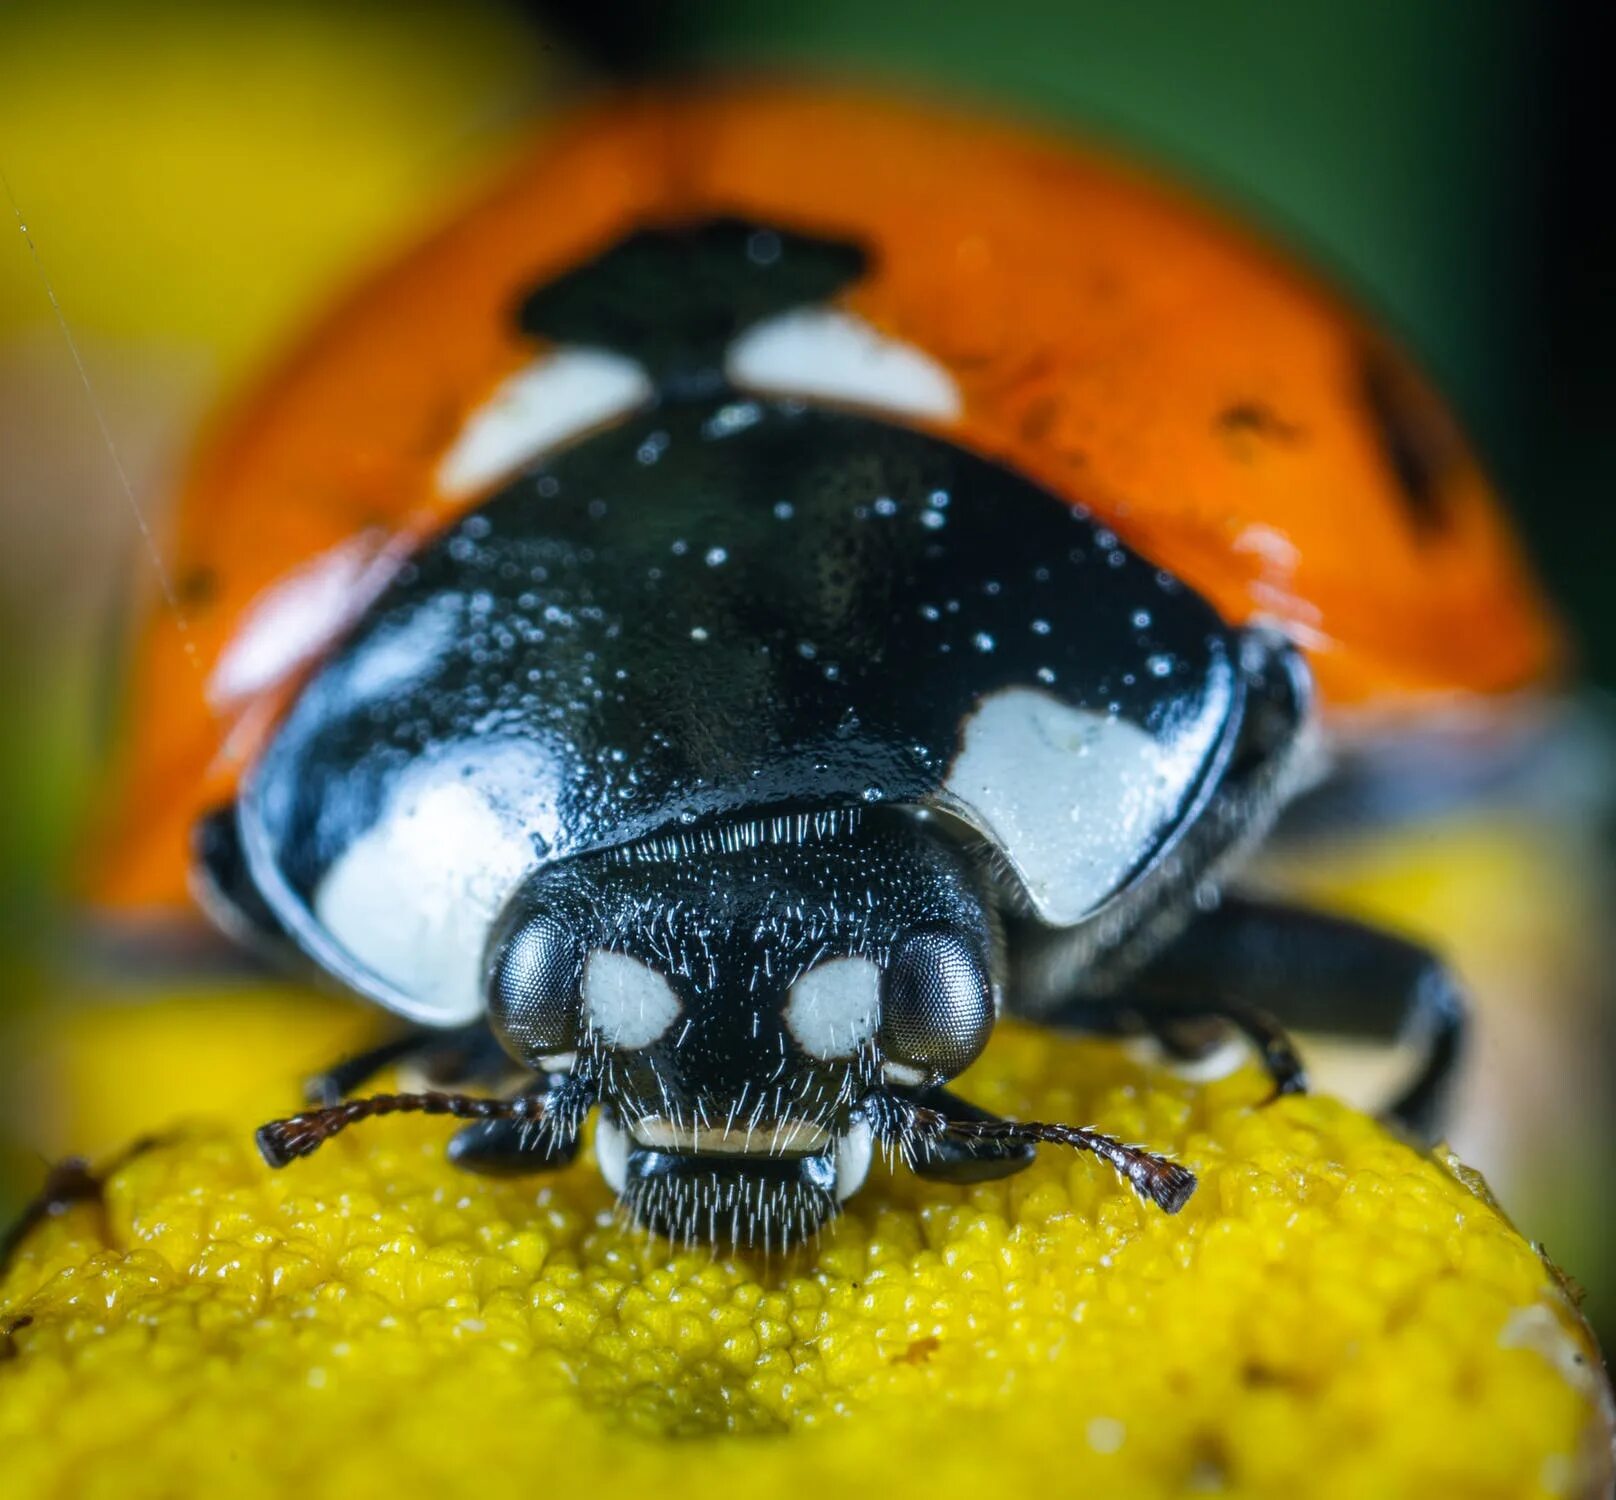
<point x="936" y="1005"/>
<point x="535" y="988"/>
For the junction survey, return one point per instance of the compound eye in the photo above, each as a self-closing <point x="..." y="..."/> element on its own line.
<point x="936" y="1005"/>
<point x="535" y="988"/>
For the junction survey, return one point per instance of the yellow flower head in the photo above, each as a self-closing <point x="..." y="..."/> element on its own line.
<point x="1333" y="1314"/>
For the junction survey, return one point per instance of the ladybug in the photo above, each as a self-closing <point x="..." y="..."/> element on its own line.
<point x="789" y="578"/>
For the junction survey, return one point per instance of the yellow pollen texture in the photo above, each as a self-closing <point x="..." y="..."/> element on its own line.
<point x="1333" y="1314"/>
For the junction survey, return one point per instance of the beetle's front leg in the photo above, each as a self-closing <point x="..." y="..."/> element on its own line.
<point x="1264" y="968"/>
<point x="462" y="1055"/>
<point x="942" y="1137"/>
<point x="936" y="1155"/>
<point x="540" y="1143"/>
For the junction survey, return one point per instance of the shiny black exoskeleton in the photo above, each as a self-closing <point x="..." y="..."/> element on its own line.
<point x="741" y="760"/>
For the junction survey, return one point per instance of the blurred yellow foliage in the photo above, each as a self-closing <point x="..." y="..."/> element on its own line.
<point x="197" y="175"/>
<point x="1333" y="1314"/>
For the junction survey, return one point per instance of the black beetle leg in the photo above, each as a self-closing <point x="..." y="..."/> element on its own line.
<point x="942" y="1159"/>
<point x="69" y="1182"/>
<point x="1180" y="1025"/>
<point x="515" y="1147"/>
<point x="1266" y="967"/>
<point x="465" y="1054"/>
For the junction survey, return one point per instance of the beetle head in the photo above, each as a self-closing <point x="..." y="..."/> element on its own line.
<point x="736" y="994"/>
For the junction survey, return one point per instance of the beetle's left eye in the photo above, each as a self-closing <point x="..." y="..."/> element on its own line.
<point x="535" y="987"/>
<point x="936" y="1004"/>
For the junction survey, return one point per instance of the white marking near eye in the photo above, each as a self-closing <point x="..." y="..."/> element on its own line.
<point x="853" y="1153"/>
<point x="827" y="353"/>
<point x="835" y="1008"/>
<point x="1075" y="799"/>
<point x="902" y="1076"/>
<point x="611" y="1152"/>
<point x="537" y="409"/>
<point x="627" y="1003"/>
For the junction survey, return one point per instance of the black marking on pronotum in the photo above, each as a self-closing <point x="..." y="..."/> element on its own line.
<point x="1416" y="435"/>
<point x="675" y="297"/>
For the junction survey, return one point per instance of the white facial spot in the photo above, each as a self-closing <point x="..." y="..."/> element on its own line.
<point x="853" y="1153"/>
<point x="834" y="1009"/>
<point x="538" y="408"/>
<point x="1075" y="799"/>
<point x="289" y="623"/>
<point x="611" y="1151"/>
<point x="901" y="1075"/>
<point x="826" y="353"/>
<point x="412" y="899"/>
<point x="627" y="1004"/>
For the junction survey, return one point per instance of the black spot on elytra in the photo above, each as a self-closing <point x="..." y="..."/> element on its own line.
<point x="1258" y="419"/>
<point x="197" y="587"/>
<point x="1417" y="437"/>
<point x="674" y="298"/>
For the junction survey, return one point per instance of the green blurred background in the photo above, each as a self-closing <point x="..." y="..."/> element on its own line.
<point x="198" y="180"/>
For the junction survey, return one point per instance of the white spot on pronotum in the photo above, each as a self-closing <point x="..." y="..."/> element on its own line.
<point x="538" y="408"/>
<point x="834" y="1009"/>
<point x="830" y="354"/>
<point x="412" y="898"/>
<point x="627" y="1003"/>
<point x="1074" y="798"/>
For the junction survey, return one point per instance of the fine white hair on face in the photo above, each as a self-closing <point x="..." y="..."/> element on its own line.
<point x="627" y="1003"/>
<point x="538" y="408"/>
<point x="835" y="1008"/>
<point x="827" y="353"/>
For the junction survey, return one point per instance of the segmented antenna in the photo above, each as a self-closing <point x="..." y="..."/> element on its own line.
<point x="283" y="1141"/>
<point x="1155" y="1178"/>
